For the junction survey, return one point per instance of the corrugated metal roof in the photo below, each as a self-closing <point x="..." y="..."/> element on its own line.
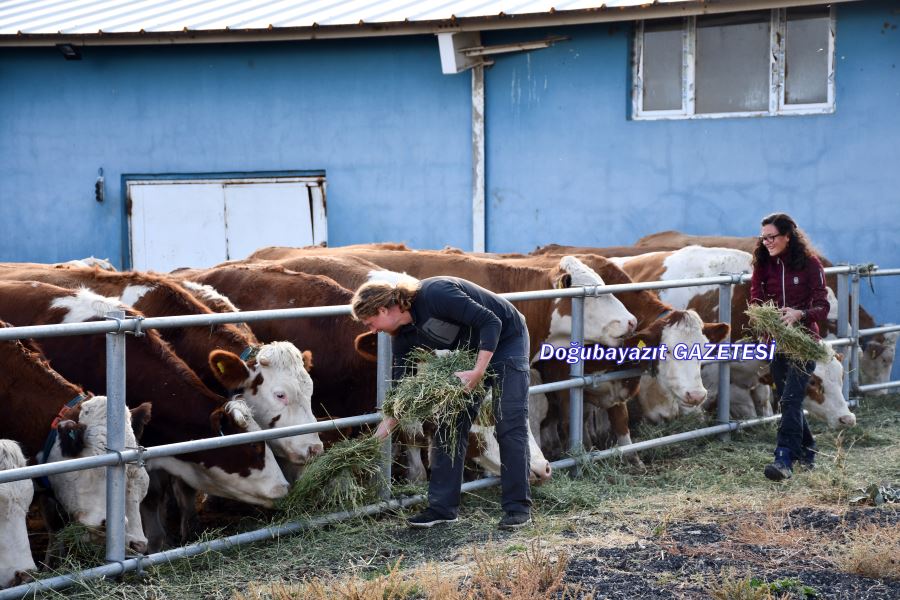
<point x="91" y="17"/>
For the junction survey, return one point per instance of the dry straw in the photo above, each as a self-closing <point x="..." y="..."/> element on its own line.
<point x="345" y="477"/>
<point x="794" y="341"/>
<point x="434" y="394"/>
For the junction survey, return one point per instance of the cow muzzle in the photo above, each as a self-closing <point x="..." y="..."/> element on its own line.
<point x="541" y="473"/>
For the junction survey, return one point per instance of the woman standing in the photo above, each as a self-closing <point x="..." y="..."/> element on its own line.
<point x="786" y="271"/>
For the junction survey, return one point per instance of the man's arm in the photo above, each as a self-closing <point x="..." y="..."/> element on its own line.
<point x="471" y="378"/>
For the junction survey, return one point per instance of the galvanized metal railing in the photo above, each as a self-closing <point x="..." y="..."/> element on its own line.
<point x="115" y="460"/>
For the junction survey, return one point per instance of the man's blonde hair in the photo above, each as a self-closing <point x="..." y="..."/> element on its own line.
<point x="380" y="294"/>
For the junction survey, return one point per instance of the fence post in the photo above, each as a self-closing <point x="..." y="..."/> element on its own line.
<point x="854" y="333"/>
<point x="576" y="394"/>
<point x="116" y="412"/>
<point x="843" y="296"/>
<point x="384" y="375"/>
<point x="723" y="414"/>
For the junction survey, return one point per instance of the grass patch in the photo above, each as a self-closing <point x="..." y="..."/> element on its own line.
<point x="870" y="551"/>
<point x="345" y="477"/>
<point x="529" y="574"/>
<point x="614" y="505"/>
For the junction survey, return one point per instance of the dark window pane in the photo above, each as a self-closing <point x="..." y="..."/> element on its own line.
<point x="662" y="77"/>
<point x="806" y="57"/>
<point x="732" y="72"/>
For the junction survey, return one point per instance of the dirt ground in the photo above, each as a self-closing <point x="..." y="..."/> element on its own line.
<point x="687" y="558"/>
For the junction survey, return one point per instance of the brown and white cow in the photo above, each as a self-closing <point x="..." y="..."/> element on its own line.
<point x="33" y="405"/>
<point x="696" y="261"/>
<point x="15" y="498"/>
<point x="183" y="408"/>
<point x="274" y="383"/>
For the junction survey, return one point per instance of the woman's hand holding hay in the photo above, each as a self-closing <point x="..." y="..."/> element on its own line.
<point x="789" y="315"/>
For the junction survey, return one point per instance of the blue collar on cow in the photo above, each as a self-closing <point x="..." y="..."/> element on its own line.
<point x="250" y="353"/>
<point x="663" y="314"/>
<point x="51" y="437"/>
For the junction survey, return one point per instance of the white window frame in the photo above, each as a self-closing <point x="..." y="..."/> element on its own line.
<point x="777" y="44"/>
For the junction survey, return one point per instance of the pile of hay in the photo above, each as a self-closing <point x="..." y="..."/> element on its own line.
<point x="434" y="394"/>
<point x="794" y="341"/>
<point x="346" y="476"/>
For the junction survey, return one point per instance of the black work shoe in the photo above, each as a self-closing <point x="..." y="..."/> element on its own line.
<point x="514" y="520"/>
<point x="777" y="471"/>
<point x="429" y="518"/>
<point x="780" y="468"/>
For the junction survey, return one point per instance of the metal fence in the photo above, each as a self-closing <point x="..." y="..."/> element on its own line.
<point x="118" y="325"/>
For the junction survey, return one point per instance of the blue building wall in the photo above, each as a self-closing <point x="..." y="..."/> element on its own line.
<point x="564" y="162"/>
<point x="566" y="165"/>
<point x="391" y="133"/>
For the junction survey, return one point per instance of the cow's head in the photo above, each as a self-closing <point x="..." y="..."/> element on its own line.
<point x="824" y="394"/>
<point x="877" y="360"/>
<point x="275" y="383"/>
<point x="681" y="380"/>
<point x="80" y="433"/>
<point x="606" y="320"/>
<point x="15" y="498"/>
<point x="256" y="480"/>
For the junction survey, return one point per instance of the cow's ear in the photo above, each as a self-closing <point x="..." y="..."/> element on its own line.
<point x="228" y="368"/>
<point x="561" y="279"/>
<point x="716" y="332"/>
<point x="140" y="416"/>
<point x="71" y="437"/>
<point x="307" y="360"/>
<point x="366" y="345"/>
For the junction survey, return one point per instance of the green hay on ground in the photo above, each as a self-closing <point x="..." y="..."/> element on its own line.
<point x="794" y="341"/>
<point x="345" y="477"/>
<point x="434" y="394"/>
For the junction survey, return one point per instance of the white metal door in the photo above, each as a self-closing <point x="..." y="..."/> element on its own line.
<point x="177" y="225"/>
<point x="266" y="214"/>
<point x="201" y="223"/>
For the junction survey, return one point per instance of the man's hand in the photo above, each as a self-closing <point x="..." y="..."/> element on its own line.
<point x="470" y="379"/>
<point x="790" y="315"/>
<point x="385" y="428"/>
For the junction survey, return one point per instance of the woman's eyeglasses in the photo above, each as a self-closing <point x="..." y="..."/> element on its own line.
<point x="768" y="239"/>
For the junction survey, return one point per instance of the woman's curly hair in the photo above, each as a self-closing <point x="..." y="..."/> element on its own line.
<point x="798" y="248"/>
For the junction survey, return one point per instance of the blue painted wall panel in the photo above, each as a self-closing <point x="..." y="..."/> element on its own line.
<point x="391" y="132"/>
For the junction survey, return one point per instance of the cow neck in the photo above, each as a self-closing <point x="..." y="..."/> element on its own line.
<point x="36" y="395"/>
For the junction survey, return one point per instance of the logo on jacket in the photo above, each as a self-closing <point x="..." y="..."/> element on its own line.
<point x="796" y="280"/>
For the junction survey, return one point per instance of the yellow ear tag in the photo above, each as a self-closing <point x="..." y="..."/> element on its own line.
<point x="641" y="344"/>
<point x="221" y="366"/>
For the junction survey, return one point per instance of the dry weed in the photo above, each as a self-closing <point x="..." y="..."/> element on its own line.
<point x="870" y="551"/>
<point x="734" y="587"/>
<point x="531" y="575"/>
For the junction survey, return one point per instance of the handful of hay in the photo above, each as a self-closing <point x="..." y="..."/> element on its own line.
<point x="344" y="477"/>
<point x="793" y="341"/>
<point x="434" y="394"/>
